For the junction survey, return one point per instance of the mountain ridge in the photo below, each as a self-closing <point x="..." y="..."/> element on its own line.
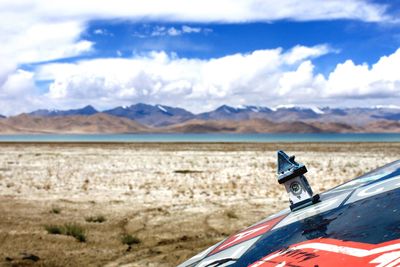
<point x="96" y="123"/>
<point x="142" y="117"/>
<point x="87" y="110"/>
<point x="157" y="115"/>
<point x="104" y="123"/>
<point x="162" y="115"/>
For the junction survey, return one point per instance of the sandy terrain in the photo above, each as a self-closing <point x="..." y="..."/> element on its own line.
<point x="177" y="199"/>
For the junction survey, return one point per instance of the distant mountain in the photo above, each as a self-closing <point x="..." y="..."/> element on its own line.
<point x="86" y="111"/>
<point x="160" y="118"/>
<point x="161" y="115"/>
<point x="280" y="114"/>
<point x="352" y="116"/>
<point x="2" y="117"/>
<point x="225" y="112"/>
<point x="295" y="114"/>
<point x="97" y="123"/>
<point x="105" y="123"/>
<point x="6" y="128"/>
<point x="383" y="126"/>
<point x="360" y="116"/>
<point x="258" y="126"/>
<point x="157" y="115"/>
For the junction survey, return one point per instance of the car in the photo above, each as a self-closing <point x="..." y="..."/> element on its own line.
<point x="354" y="224"/>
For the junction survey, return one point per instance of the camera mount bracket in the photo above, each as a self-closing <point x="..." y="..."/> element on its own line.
<point x="291" y="174"/>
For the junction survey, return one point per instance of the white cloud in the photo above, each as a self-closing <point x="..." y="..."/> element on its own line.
<point x="198" y="11"/>
<point x="256" y="78"/>
<point x="98" y="31"/>
<point x="262" y="77"/>
<point x="43" y="41"/>
<point x="40" y="30"/>
<point x="174" y="32"/>
<point x="157" y="31"/>
<point x="30" y="42"/>
<point x="163" y="31"/>
<point x="188" y="29"/>
<point x="102" y="32"/>
<point x="382" y="79"/>
<point x="17" y="83"/>
<point x="299" y="53"/>
<point x="17" y="93"/>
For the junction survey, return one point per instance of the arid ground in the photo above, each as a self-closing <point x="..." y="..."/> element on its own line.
<point x="169" y="201"/>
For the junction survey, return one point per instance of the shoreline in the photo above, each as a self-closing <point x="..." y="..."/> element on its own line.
<point x="203" y="138"/>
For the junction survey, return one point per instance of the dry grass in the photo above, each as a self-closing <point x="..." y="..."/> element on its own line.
<point x="129" y="240"/>
<point x="54" y="229"/>
<point x="55" y="210"/>
<point x="96" y="219"/>
<point x="231" y="214"/>
<point x="69" y="229"/>
<point x="177" y="199"/>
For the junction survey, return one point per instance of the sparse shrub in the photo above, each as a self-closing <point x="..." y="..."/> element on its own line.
<point x="55" y="210"/>
<point x="96" y="219"/>
<point x="69" y="229"/>
<point x="129" y="240"/>
<point x="85" y="185"/>
<point x="76" y="231"/>
<point x="54" y="229"/>
<point x="231" y="214"/>
<point x="47" y="187"/>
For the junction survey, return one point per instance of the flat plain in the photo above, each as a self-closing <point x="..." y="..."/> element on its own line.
<point x="151" y="204"/>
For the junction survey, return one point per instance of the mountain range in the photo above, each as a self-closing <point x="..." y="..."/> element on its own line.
<point x="161" y="115"/>
<point x="161" y="118"/>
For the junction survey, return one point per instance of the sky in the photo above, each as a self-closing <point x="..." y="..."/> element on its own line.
<point x="198" y="55"/>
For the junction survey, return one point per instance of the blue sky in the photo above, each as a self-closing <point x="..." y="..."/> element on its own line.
<point x="198" y="54"/>
<point x="360" y="41"/>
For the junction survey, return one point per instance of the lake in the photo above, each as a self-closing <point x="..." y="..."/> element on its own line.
<point x="218" y="137"/>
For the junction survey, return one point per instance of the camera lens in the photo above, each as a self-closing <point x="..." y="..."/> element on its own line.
<point x="295" y="188"/>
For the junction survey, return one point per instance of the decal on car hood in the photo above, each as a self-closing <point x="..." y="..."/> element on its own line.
<point x="331" y="253"/>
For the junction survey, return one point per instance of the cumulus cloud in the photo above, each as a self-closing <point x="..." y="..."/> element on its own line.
<point x="262" y="77"/>
<point x="256" y="77"/>
<point x="30" y="41"/>
<point x="17" y="93"/>
<point x="42" y="42"/>
<point x="382" y="79"/>
<point x="299" y="53"/>
<point x="17" y="83"/>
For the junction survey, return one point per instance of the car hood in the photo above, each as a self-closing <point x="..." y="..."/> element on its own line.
<point x="356" y="223"/>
